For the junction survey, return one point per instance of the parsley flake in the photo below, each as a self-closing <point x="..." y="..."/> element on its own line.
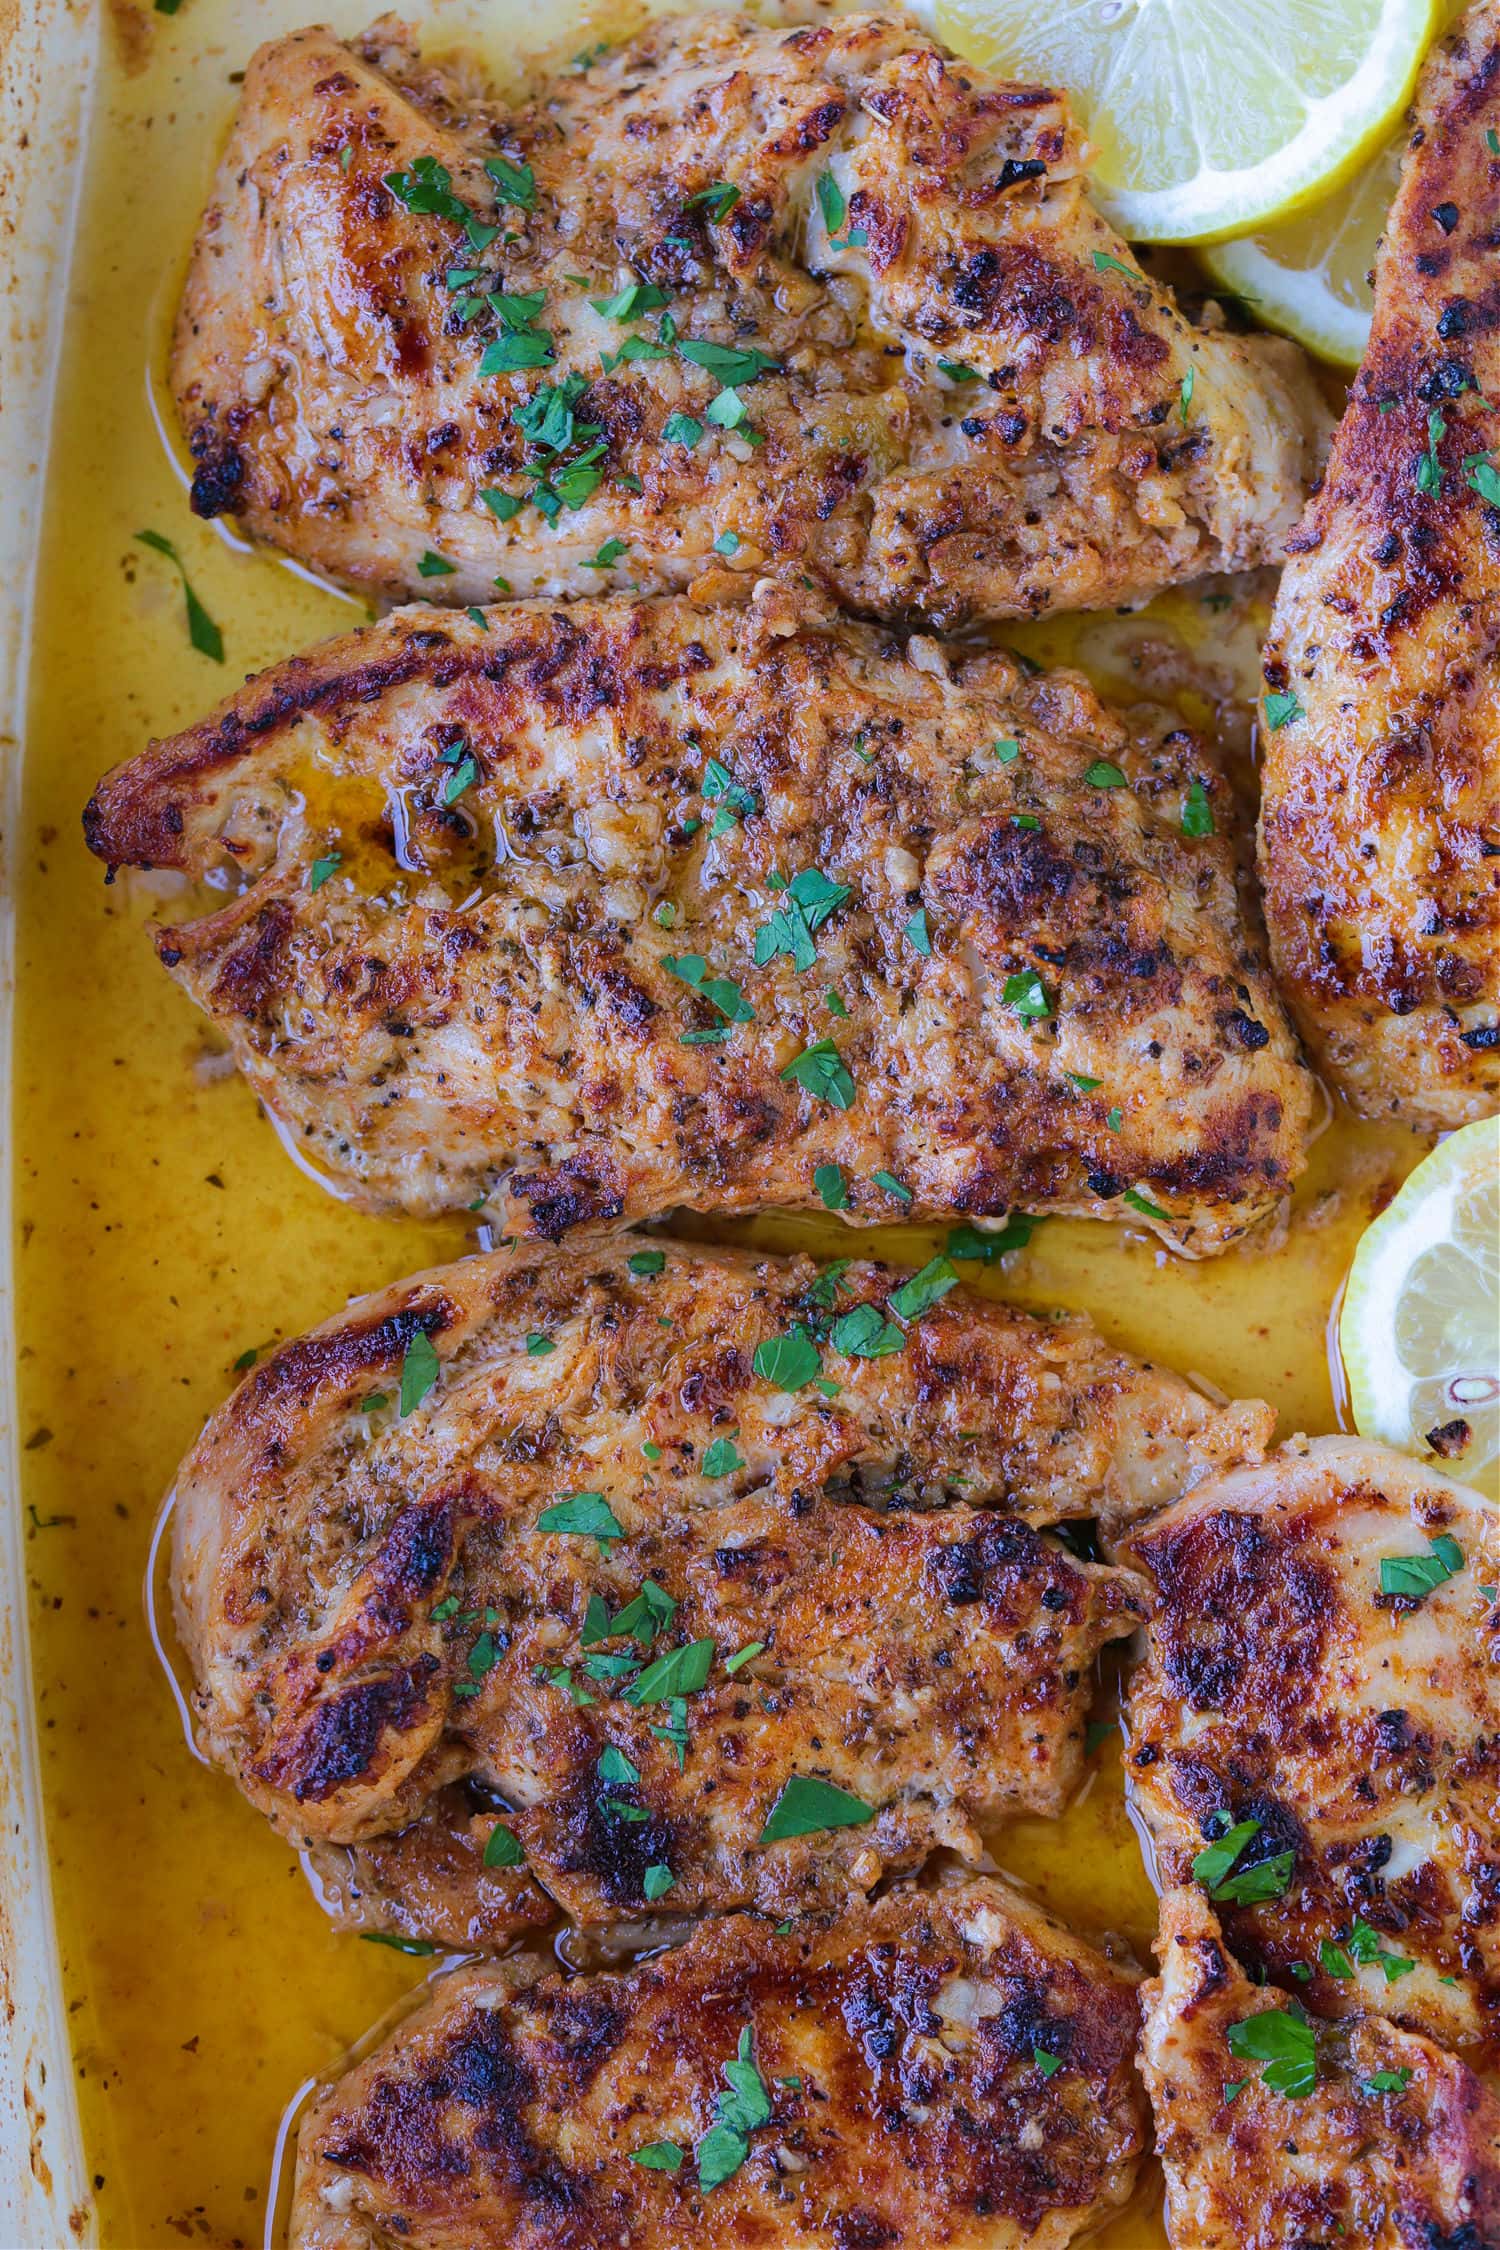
<point x="419" y="1371"/>
<point x="820" y="1071"/>
<point x="806" y="1806"/>
<point x="203" y="633"/>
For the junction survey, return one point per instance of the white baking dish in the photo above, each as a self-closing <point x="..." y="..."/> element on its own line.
<point x="48" y="51"/>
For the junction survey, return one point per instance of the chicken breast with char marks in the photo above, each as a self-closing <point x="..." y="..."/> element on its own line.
<point x="675" y="1542"/>
<point x="598" y="911"/>
<point x="950" y="2068"/>
<point x="1322" y="1687"/>
<point x="1380" y="826"/>
<point x="1277" y="2134"/>
<point x="821" y="296"/>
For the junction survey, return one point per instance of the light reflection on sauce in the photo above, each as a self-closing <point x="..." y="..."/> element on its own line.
<point x="162" y="1233"/>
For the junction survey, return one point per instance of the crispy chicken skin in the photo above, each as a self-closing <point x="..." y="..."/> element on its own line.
<point x="383" y="1631"/>
<point x="1359" y="1728"/>
<point x="508" y="916"/>
<point x="897" y="2047"/>
<point x="327" y="370"/>
<point x="1395" y="2147"/>
<point x="1380" y="825"/>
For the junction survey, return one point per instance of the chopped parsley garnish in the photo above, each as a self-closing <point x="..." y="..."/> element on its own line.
<point x="1283" y="2044"/>
<point x="1283" y="710"/>
<point x="203" y="633"/>
<point x="658" y="2156"/>
<point x="717" y="200"/>
<point x="956" y="371"/>
<point x="865" y="1333"/>
<point x="1104" y="263"/>
<point x="514" y="183"/>
<point x="682" y="1671"/>
<point x="658" y="1881"/>
<point x="1026" y="993"/>
<point x="832" y="1187"/>
<point x="636" y="298"/>
<point x="892" y="1186"/>
<point x="1145" y="1206"/>
<point x="651" y="1612"/>
<point x="922" y="1291"/>
<point x="1481" y="475"/>
<point x="538" y="1345"/>
<point x="788" y="1362"/>
<point x="1007" y="750"/>
<point x="502" y="504"/>
<point x="727" y="543"/>
<point x="681" y="429"/>
<point x="321" y="869"/>
<point x="917" y="934"/>
<point x="808" y="900"/>
<point x="1185" y="396"/>
<point x="820" y="1071"/>
<point x="508" y="354"/>
<point x="419" y="1371"/>
<point x="971" y="1242"/>
<point x="615" y="1768"/>
<point x="747" y="2105"/>
<point x="1047" y="2064"/>
<point x="647" y="1261"/>
<point x="721" y="993"/>
<point x="423" y="1948"/>
<point x="1215" y="1868"/>
<point x="1197" y="813"/>
<point x="731" y="798"/>
<point x="428" y="190"/>
<point x="834" y="207"/>
<point x="722" y="1458"/>
<point x="744" y="1655"/>
<point x="583" y="1515"/>
<point x="729" y="364"/>
<point x="464" y="772"/>
<point x="1430" y="468"/>
<point x="1386" y="2082"/>
<point x="1104" y="775"/>
<point x="1084" y="1084"/>
<point x="503" y="1848"/>
<point x="806" y="1806"/>
<point x="477" y="617"/>
<point x="1416" y="1576"/>
<point x="608" y="555"/>
<point x="1366" y="1948"/>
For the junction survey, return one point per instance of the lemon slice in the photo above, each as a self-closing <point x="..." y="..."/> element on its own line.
<point x="1420" y="1328"/>
<point x="1209" y="117"/>
<point x="1310" y="275"/>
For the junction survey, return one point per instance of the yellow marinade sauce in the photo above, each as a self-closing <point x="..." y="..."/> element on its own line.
<point x="163" y="1233"/>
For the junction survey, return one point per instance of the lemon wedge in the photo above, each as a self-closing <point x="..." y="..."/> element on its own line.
<point x="1420" y="1327"/>
<point x="1209" y="117"/>
<point x="1309" y="275"/>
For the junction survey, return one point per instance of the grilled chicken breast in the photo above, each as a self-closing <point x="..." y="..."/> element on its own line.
<point x="1390" y="2144"/>
<point x="950" y="2068"/>
<point x="1323" y="1678"/>
<point x="603" y="910"/>
<point x="671" y="1530"/>
<point x="1380" y="829"/>
<point x="821" y="296"/>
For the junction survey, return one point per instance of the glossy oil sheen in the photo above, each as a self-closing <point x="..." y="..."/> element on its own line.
<point x="163" y="1233"/>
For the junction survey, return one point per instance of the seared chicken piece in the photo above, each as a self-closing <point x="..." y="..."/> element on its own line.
<point x="662" y="1539"/>
<point x="599" y="911"/>
<point x="1322" y="1687"/>
<point x="1380" y="828"/>
<point x="823" y="296"/>
<point x="949" y="2068"/>
<point x="1303" y="2134"/>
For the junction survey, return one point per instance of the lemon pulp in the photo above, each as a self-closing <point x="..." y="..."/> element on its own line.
<point x="1208" y="118"/>
<point x="1420" y="1327"/>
